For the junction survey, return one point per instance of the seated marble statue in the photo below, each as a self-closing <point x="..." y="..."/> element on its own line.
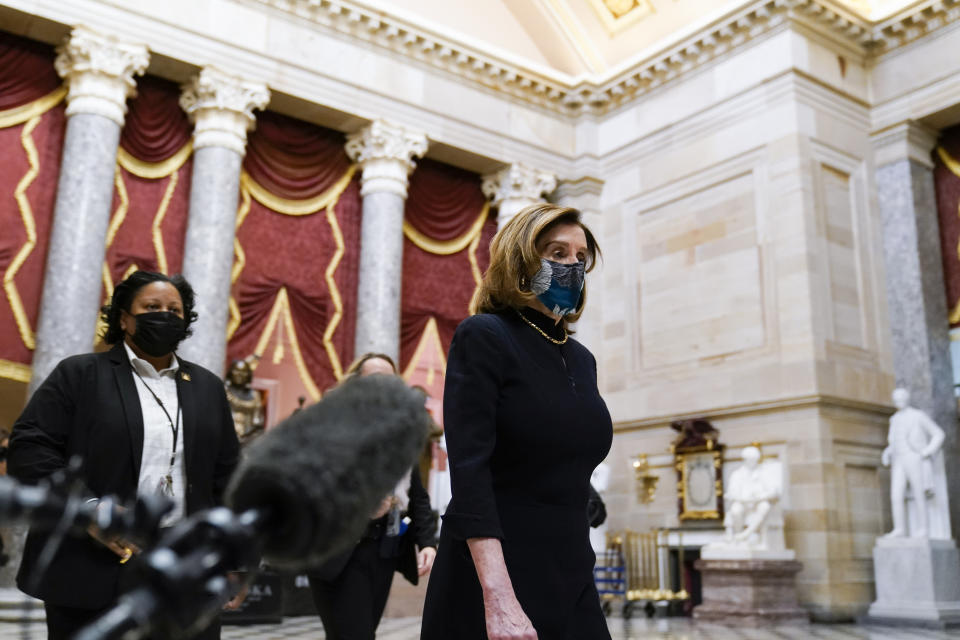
<point x="750" y="494"/>
<point x="246" y="403"/>
<point x="914" y="440"/>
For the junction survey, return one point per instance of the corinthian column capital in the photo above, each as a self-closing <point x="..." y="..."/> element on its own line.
<point x="385" y="151"/>
<point x="515" y="187"/>
<point x="221" y="107"/>
<point x="518" y="182"/>
<point x="99" y="72"/>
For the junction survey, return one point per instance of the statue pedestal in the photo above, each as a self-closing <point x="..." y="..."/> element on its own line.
<point x="918" y="582"/>
<point x="750" y="592"/>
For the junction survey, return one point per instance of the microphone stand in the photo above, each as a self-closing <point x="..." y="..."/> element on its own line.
<point x="60" y="505"/>
<point x="184" y="577"/>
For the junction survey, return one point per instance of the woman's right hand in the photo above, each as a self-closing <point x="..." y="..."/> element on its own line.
<point x="505" y="617"/>
<point x="123" y="548"/>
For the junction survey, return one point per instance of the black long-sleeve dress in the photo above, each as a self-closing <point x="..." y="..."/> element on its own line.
<point x="525" y="427"/>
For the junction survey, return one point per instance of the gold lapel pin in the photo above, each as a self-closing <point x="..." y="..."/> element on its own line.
<point x="185" y="376"/>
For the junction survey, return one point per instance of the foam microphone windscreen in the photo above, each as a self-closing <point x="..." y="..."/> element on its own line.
<point x="320" y="474"/>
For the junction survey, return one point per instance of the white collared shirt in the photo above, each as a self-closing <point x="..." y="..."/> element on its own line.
<point x="157" y="434"/>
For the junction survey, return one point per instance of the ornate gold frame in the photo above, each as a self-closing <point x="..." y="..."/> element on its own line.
<point x="680" y="461"/>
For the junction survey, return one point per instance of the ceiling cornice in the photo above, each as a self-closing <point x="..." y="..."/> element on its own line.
<point x="599" y="93"/>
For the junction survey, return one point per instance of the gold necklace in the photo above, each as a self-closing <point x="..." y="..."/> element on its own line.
<point x="542" y="332"/>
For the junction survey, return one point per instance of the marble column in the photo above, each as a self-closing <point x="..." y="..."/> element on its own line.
<point x="584" y="194"/>
<point x="915" y="286"/>
<point x="221" y="107"/>
<point x="515" y="187"/>
<point x="385" y="153"/>
<point x="99" y="72"/>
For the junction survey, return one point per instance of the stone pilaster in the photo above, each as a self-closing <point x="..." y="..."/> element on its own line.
<point x="584" y="194"/>
<point x="515" y="187"/>
<point x="99" y="71"/>
<point x="221" y="107"/>
<point x="385" y="152"/>
<point x="915" y="286"/>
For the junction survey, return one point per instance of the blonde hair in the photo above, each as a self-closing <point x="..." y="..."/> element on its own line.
<point x="514" y="259"/>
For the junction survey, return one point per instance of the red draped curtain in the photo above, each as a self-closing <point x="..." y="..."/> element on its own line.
<point x="293" y="299"/>
<point x="946" y="176"/>
<point x="32" y="125"/>
<point x="447" y="229"/>
<point x="152" y="185"/>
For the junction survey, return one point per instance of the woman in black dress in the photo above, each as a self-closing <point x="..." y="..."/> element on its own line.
<point x="525" y="427"/>
<point x="351" y="589"/>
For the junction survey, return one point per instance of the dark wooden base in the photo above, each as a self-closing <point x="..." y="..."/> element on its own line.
<point x="750" y="593"/>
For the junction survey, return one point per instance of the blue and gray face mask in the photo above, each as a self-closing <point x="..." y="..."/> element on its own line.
<point x="559" y="286"/>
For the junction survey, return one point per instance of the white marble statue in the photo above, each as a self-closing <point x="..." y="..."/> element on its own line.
<point x="750" y="494"/>
<point x="914" y="440"/>
<point x="916" y="566"/>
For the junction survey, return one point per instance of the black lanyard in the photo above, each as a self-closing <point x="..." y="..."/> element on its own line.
<point x="174" y="428"/>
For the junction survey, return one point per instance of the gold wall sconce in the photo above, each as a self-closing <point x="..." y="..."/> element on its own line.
<point x="646" y="480"/>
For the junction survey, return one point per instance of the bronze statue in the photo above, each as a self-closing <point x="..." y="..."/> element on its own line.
<point x="246" y="403"/>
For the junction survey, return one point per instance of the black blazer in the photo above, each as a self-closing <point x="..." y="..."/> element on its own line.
<point x="89" y="407"/>
<point x="404" y="548"/>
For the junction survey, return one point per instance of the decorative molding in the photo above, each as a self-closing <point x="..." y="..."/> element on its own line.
<point x="99" y="72"/>
<point x="857" y="408"/>
<point x="907" y="140"/>
<point x="515" y="187"/>
<point x="221" y="107"/>
<point x="582" y="193"/>
<point x="916" y="22"/>
<point x="600" y="93"/>
<point x="617" y="15"/>
<point x="385" y="151"/>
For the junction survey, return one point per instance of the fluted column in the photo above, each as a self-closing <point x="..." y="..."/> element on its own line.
<point x="515" y="187"/>
<point x="99" y="72"/>
<point x="385" y="152"/>
<point x="221" y="107"/>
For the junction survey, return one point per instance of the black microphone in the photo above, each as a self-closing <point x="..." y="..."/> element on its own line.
<point x="317" y="477"/>
<point x="305" y="490"/>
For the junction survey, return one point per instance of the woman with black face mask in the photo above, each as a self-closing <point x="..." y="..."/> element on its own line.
<point x="143" y="421"/>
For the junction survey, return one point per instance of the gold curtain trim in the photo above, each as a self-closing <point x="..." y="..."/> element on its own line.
<point x="116" y="221"/>
<point x="955" y="314"/>
<point x="281" y="308"/>
<point x="15" y="371"/>
<point x="29" y="225"/>
<point x="475" y="271"/>
<point x="297" y="207"/>
<point x="325" y="201"/>
<point x="334" y="291"/>
<point x="949" y="161"/>
<point x="448" y="247"/>
<point x="31" y="110"/>
<point x="242" y="212"/>
<point x="430" y="334"/>
<point x="156" y="227"/>
<point x="239" y="263"/>
<point x="154" y="170"/>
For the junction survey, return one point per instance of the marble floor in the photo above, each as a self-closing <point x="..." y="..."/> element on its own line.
<point x="309" y="628"/>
